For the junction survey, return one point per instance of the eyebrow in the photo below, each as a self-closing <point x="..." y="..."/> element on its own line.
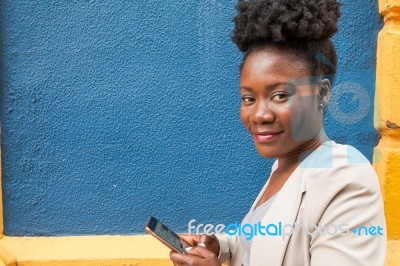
<point x="269" y="87"/>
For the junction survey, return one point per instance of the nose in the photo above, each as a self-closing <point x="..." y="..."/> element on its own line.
<point x="262" y="114"/>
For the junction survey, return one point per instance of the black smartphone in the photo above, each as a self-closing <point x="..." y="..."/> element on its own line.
<point x="160" y="231"/>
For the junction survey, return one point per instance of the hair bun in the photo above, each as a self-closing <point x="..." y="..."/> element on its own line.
<point x="278" y="21"/>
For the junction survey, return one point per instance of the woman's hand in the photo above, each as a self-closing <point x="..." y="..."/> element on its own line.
<point x="204" y="252"/>
<point x="210" y="241"/>
<point x="197" y="256"/>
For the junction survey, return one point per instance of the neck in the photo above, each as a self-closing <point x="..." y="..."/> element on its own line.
<point x="294" y="158"/>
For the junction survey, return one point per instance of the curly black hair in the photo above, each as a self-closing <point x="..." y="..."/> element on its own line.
<point x="302" y="26"/>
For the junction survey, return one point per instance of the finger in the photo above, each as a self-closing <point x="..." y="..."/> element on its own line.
<point x="211" y="239"/>
<point x="201" y="252"/>
<point x="202" y="241"/>
<point x="190" y="239"/>
<point x="208" y="239"/>
<point x="180" y="259"/>
<point x="212" y="244"/>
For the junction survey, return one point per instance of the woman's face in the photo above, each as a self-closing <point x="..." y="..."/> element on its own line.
<point x="280" y="103"/>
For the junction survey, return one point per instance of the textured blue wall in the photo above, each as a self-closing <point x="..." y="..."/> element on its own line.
<point x="115" y="111"/>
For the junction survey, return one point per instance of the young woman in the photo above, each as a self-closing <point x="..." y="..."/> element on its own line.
<point x="326" y="195"/>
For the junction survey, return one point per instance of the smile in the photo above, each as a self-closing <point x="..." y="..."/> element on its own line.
<point x="266" y="137"/>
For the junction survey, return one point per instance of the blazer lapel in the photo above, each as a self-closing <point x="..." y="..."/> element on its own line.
<point x="236" y="259"/>
<point x="271" y="249"/>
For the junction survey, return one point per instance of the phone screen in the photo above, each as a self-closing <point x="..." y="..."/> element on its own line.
<point x="167" y="234"/>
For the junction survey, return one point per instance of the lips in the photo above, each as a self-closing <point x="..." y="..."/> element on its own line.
<point x="266" y="136"/>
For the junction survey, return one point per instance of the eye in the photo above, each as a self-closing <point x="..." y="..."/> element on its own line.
<point x="279" y="96"/>
<point x="247" y="99"/>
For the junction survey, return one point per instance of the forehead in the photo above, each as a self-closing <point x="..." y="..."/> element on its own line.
<point x="274" y="64"/>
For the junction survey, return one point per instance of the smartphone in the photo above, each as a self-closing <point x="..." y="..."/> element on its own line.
<point x="160" y="231"/>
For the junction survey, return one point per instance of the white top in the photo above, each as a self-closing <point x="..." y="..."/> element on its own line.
<point x="253" y="217"/>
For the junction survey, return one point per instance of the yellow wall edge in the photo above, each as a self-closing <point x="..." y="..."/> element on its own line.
<point x="387" y="106"/>
<point x="386" y="5"/>
<point x="387" y="120"/>
<point x="393" y="253"/>
<point x="121" y="262"/>
<point x="388" y="172"/>
<point x="6" y="258"/>
<point x="101" y="250"/>
<point x="84" y="250"/>
<point x="387" y="114"/>
<point x="1" y="196"/>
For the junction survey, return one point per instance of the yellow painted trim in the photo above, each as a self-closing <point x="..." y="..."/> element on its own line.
<point x="393" y="255"/>
<point x="387" y="120"/>
<point x="388" y="81"/>
<point x="387" y="114"/>
<point x="1" y="196"/>
<point x="386" y="5"/>
<point x="388" y="172"/>
<point x="6" y="258"/>
<point x="103" y="251"/>
<point x="87" y="250"/>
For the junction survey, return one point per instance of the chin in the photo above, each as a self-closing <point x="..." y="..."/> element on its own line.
<point x="267" y="153"/>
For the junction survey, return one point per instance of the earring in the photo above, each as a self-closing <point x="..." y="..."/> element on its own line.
<point x="321" y="105"/>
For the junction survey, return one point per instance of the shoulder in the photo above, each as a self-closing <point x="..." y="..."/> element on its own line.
<point x="346" y="188"/>
<point x="342" y="189"/>
<point x="339" y="166"/>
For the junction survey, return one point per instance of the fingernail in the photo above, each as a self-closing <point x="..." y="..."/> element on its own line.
<point x="202" y="241"/>
<point x="188" y="249"/>
<point x="203" y="238"/>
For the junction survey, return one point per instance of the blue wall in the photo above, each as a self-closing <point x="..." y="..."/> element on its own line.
<point x="115" y="111"/>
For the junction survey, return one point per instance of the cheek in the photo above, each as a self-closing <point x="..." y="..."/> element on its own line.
<point x="303" y="120"/>
<point x="244" y="115"/>
<point x="283" y="117"/>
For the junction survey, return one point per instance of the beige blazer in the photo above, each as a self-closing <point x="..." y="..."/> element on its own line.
<point x="335" y="185"/>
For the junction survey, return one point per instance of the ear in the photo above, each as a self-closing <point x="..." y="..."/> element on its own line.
<point x="325" y="92"/>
